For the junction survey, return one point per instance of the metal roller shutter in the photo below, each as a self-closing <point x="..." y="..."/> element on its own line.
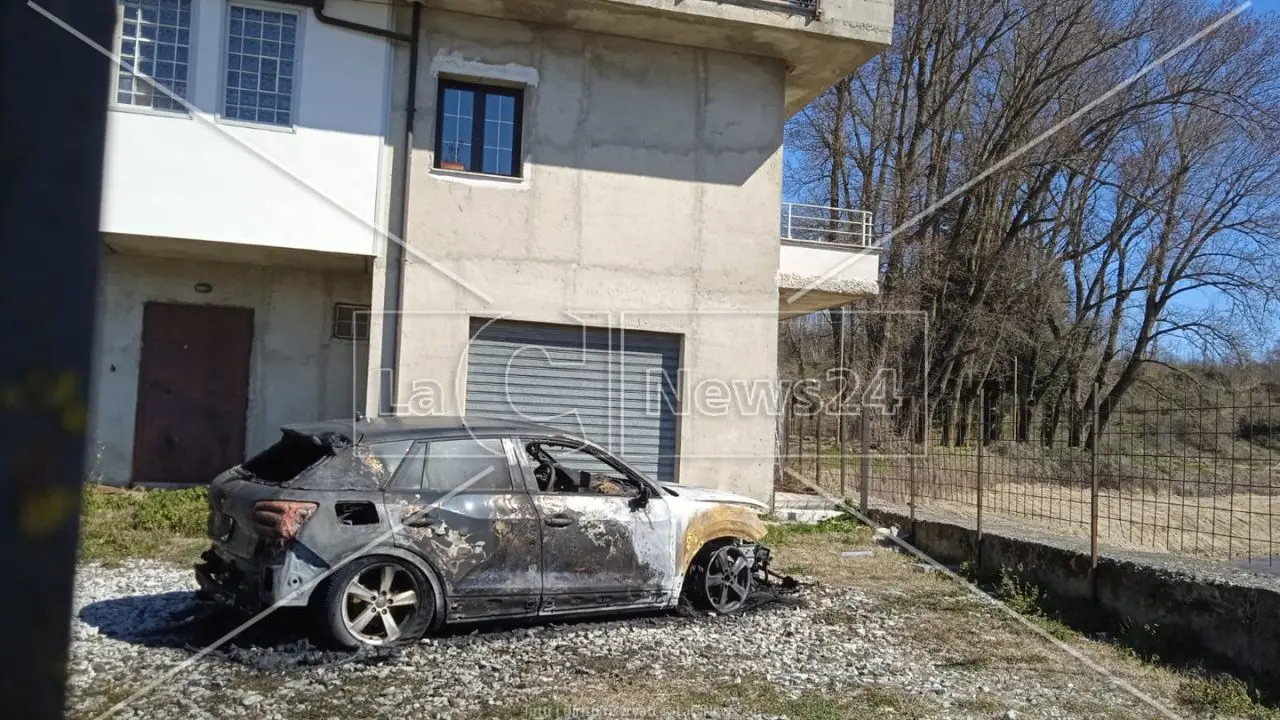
<point x="616" y="388"/>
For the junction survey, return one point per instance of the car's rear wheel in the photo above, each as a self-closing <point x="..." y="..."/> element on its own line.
<point x="376" y="602"/>
<point x="721" y="578"/>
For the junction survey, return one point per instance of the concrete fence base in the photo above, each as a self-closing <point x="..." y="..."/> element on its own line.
<point x="1224" y="617"/>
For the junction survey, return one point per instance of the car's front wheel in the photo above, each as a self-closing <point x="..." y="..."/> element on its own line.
<point x="376" y="601"/>
<point x="721" y="578"/>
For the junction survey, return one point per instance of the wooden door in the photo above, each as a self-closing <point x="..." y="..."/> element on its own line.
<point x="193" y="392"/>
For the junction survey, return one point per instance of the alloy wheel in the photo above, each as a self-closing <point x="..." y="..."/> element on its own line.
<point x="378" y="602"/>
<point x="728" y="579"/>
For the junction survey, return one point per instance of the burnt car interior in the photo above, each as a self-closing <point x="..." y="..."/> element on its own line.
<point x="566" y="468"/>
<point x="291" y="456"/>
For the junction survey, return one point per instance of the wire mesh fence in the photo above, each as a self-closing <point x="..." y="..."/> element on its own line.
<point x="1193" y="475"/>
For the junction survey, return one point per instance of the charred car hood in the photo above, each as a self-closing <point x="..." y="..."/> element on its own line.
<point x="701" y="494"/>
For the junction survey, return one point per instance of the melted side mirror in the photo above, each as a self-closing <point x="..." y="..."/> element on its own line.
<point x="641" y="500"/>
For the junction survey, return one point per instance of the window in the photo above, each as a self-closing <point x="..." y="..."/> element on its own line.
<point x="562" y="468"/>
<point x="261" y="46"/>
<point x="478" y="128"/>
<point x="155" y="41"/>
<point x="453" y="463"/>
<point x="351" y="322"/>
<point x="390" y="454"/>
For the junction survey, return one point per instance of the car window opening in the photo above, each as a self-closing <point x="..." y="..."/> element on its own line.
<point x="576" y="469"/>
<point x="291" y="456"/>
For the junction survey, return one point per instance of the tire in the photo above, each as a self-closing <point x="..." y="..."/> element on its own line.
<point x="375" y="602"/>
<point x="717" y="582"/>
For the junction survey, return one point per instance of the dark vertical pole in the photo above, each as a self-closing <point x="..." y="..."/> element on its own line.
<point x="817" y="445"/>
<point x="982" y="438"/>
<point x="52" y="133"/>
<point x="864" y="460"/>
<point x="844" y="399"/>
<point x="1093" y="486"/>
<point x="911" y="466"/>
<point x="781" y="461"/>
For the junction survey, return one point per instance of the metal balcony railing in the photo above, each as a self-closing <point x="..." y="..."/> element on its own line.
<point x="815" y="223"/>
<point x="810" y="6"/>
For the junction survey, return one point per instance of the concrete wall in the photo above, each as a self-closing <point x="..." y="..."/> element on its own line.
<point x="1199" y="611"/>
<point x="297" y="372"/>
<point x="198" y="176"/>
<point x="817" y="47"/>
<point x="650" y="199"/>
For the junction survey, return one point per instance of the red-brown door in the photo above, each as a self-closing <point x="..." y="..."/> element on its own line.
<point x="193" y="392"/>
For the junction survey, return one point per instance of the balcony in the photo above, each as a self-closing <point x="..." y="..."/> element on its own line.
<point x="828" y="257"/>
<point x="819" y="41"/>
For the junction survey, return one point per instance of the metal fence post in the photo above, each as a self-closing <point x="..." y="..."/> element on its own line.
<point x="842" y="398"/>
<point x="982" y="441"/>
<point x="1093" y="482"/>
<point x="840" y="440"/>
<point x="799" y="420"/>
<point x="864" y="462"/>
<point x="817" y="448"/>
<point x="911" y="467"/>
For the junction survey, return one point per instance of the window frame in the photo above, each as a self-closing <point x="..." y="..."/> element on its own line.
<point x="481" y="90"/>
<point x="513" y="473"/>
<point x="415" y="462"/>
<point x="639" y="480"/>
<point x="355" y="336"/>
<point x="224" y="61"/>
<point x="117" y="42"/>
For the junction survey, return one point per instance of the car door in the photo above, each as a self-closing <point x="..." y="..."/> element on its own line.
<point x="458" y="502"/>
<point x="602" y="547"/>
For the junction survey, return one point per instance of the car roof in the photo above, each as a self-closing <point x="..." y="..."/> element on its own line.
<point x="391" y="429"/>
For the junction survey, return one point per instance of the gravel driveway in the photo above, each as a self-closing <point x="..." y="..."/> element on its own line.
<point x="866" y="649"/>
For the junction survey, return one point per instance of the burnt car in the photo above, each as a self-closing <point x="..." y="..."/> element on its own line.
<point x="389" y="528"/>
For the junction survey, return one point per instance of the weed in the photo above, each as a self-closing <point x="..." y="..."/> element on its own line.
<point x="531" y="709"/>
<point x="983" y="703"/>
<point x="760" y="696"/>
<point x="1019" y="595"/>
<point x="1221" y="694"/>
<point x="845" y="527"/>
<point x="164" y="524"/>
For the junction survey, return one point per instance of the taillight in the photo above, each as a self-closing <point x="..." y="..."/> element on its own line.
<point x="280" y="520"/>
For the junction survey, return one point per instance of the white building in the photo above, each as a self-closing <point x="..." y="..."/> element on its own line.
<point x="596" y="180"/>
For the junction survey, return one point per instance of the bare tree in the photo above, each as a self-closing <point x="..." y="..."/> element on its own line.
<point x="1056" y="277"/>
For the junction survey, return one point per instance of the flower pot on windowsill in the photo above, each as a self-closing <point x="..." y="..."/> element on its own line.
<point x="447" y="165"/>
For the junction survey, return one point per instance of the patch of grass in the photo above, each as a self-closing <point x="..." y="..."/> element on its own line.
<point x="758" y="695"/>
<point x="1030" y="601"/>
<point x="162" y="524"/>
<point x="983" y="703"/>
<point x="874" y="701"/>
<point x="973" y="662"/>
<point x="844" y="528"/>
<point x="531" y="709"/>
<point x="836" y="616"/>
<point x="1222" y="694"/>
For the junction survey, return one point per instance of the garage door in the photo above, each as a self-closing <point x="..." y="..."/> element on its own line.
<point x="616" y="388"/>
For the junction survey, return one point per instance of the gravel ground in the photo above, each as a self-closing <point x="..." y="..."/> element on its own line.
<point x="834" y="642"/>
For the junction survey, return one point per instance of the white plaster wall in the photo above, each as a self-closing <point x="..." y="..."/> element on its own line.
<point x="651" y="196"/>
<point x="811" y="261"/>
<point x="196" y="176"/>
<point x="297" y="372"/>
